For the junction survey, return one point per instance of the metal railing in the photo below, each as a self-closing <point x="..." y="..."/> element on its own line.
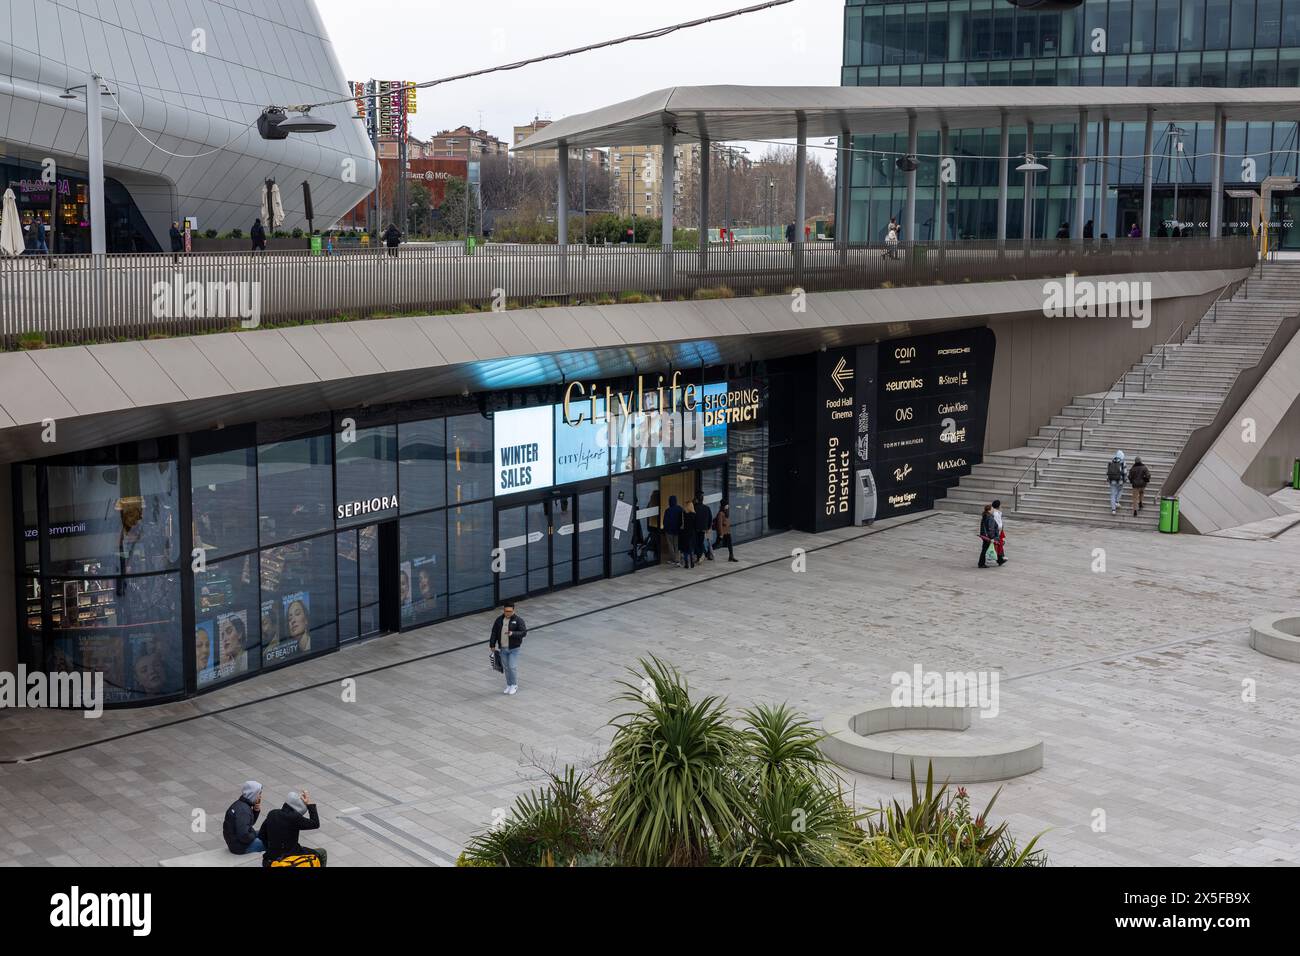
<point x="1122" y="385"/>
<point x="56" y="300"/>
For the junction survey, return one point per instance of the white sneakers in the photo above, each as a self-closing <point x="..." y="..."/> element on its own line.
<point x="512" y="688"/>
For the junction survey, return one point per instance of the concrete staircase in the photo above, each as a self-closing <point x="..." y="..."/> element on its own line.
<point x="1150" y="413"/>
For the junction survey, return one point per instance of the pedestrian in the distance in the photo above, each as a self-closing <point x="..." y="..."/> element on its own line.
<point x="790" y="233"/>
<point x="703" y="526"/>
<point x="988" y="534"/>
<point x="1064" y="231"/>
<point x="178" y="241"/>
<point x="508" y="633"/>
<point x="1000" y="542"/>
<point x="393" y="239"/>
<point x="238" y="826"/>
<point x="892" y="233"/>
<point x="1116" y="473"/>
<point x="1139" y="476"/>
<point x="280" y="831"/>
<point x="672" y="531"/>
<point x="1135" y="232"/>
<point x="686" y="539"/>
<point x="723" y="524"/>
<point x="1087" y="229"/>
<point x="258" y="235"/>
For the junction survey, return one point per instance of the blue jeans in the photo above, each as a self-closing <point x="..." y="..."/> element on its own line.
<point x="510" y="662"/>
<point x="1116" y="487"/>
<point x="255" y="847"/>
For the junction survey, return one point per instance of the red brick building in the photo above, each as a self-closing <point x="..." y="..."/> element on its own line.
<point x="433" y="174"/>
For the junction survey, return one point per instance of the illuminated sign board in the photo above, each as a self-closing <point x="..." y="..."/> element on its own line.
<point x="523" y="452"/>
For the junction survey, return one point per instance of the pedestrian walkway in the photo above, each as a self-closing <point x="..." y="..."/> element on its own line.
<point x="1132" y="677"/>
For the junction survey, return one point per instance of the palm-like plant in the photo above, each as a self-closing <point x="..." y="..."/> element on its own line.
<point x="551" y="826"/>
<point x="673" y="796"/>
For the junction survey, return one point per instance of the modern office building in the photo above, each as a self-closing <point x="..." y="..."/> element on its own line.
<point x="185" y="87"/>
<point x="1135" y="43"/>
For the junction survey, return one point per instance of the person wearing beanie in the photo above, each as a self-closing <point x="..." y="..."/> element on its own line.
<point x="237" y="827"/>
<point x="280" y="831"/>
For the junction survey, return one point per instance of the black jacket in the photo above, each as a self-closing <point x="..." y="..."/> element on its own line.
<point x="280" y="831"/>
<point x="703" y="517"/>
<point x="393" y="236"/>
<point x="989" y="527"/>
<point x="237" y="827"/>
<point x="673" y="518"/>
<point x="1139" y="476"/>
<point x="518" y="631"/>
<point x="258" y="235"/>
<point x="690" y="524"/>
<point x="178" y="240"/>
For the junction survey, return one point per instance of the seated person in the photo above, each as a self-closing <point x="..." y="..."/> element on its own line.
<point x="237" y="827"/>
<point x="280" y="832"/>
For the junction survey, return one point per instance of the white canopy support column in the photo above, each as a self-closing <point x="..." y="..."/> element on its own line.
<point x="844" y="168"/>
<point x="1216" y="188"/>
<point x="1004" y="172"/>
<point x="909" y="212"/>
<point x="800" y="191"/>
<point x="562" y="197"/>
<point x="1027" y="205"/>
<point x="1080" y="175"/>
<point x="1101" y="226"/>
<point x="1148" y="164"/>
<point x="941" y="214"/>
<point x="668" y="186"/>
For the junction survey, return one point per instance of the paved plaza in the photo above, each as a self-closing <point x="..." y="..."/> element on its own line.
<point x="1136" y="678"/>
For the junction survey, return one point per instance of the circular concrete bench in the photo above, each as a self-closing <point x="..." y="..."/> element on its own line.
<point x="1277" y="635"/>
<point x="848" y="742"/>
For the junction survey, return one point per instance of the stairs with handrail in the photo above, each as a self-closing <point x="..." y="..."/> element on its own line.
<point x="1150" y="413"/>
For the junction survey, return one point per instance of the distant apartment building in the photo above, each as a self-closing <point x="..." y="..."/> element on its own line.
<point x="453" y="143"/>
<point x="635" y="171"/>
<point x="543" y="156"/>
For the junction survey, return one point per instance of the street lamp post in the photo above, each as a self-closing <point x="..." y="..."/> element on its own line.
<point x="1176" y="134"/>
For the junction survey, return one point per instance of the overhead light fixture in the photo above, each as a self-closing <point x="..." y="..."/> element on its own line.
<point x="305" y="123"/>
<point x="1031" y="165"/>
<point x="907" y="164"/>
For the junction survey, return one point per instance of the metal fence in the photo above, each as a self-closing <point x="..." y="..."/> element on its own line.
<point x="58" y="300"/>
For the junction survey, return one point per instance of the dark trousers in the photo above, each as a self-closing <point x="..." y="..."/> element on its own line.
<point x="686" y="542"/>
<point x="724" y="541"/>
<point x="984" y="544"/>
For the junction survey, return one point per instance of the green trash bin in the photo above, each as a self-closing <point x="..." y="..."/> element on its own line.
<point x="315" y="245"/>
<point x="1295" y="475"/>
<point x="470" y="243"/>
<point x="1169" y="515"/>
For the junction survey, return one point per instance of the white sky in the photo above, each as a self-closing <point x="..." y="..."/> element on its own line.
<point x="798" y="44"/>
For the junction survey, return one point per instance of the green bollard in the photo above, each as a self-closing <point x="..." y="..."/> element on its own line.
<point x="470" y="243"/>
<point x="1295" y="475"/>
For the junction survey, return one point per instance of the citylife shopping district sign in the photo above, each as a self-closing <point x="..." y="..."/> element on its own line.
<point x="731" y="407"/>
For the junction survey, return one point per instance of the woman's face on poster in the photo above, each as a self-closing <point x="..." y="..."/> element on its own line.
<point x="297" y="619"/>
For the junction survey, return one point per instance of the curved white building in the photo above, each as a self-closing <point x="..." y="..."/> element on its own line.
<point x="193" y="78"/>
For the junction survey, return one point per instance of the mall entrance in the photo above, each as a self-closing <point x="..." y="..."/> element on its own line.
<point x="373" y="589"/>
<point x="550" y="543"/>
<point x="653" y="495"/>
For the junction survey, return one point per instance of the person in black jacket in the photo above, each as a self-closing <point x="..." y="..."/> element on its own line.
<point x="237" y="827"/>
<point x="258" y="235"/>
<point x="672" y="531"/>
<point x="1139" y="476"/>
<point x="393" y="238"/>
<point x="703" y="525"/>
<point x="280" y="830"/>
<point x="508" y="633"/>
<point x="988" y="533"/>
<point x="178" y="241"/>
<point x="686" y="537"/>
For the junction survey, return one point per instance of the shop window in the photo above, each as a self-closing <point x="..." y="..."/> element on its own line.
<point x="469" y="558"/>
<point x="469" y="458"/>
<point x="366" y="469"/>
<point x="227" y="621"/>
<point x="31" y="530"/>
<point x="224" y="501"/>
<point x="295" y="481"/>
<point x="127" y="629"/>
<point x="1193" y="25"/>
<point x="298" y="600"/>
<point x="422" y="465"/>
<point x="424" y="568"/>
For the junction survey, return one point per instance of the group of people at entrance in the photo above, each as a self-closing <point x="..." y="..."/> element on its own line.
<point x="686" y="532"/>
<point x="1118" y="472"/>
<point x="993" y="535"/>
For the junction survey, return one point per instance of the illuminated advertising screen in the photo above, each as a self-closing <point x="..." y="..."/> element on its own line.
<point x="582" y="450"/>
<point x="523" y="451"/>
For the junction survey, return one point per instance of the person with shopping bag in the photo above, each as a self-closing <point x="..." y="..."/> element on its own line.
<point x="988" y="535"/>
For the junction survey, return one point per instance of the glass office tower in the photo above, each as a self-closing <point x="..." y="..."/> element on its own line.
<point x="1206" y="43"/>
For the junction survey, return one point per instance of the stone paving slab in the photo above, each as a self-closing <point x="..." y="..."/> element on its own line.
<point x="1152" y="707"/>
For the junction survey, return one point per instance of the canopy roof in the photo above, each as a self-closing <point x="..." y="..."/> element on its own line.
<point x="749" y="113"/>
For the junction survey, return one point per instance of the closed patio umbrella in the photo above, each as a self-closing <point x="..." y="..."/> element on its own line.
<point x="11" y="227"/>
<point x="272" y="218"/>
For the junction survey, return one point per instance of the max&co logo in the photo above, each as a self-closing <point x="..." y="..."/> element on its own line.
<point x="951" y="464"/>
<point x="841" y="374"/>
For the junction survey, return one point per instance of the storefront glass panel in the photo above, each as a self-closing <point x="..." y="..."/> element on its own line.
<point x="227" y="621"/>
<point x="424" y="561"/>
<point x="422" y="456"/>
<point x="365" y="469"/>
<point x="469" y="458"/>
<point x="224" y="502"/>
<point x="469" y="554"/>
<point x="295" y="481"/>
<point x="298" y="600"/>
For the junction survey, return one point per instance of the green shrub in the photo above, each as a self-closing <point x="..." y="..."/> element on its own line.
<point x="236" y="234"/>
<point x="30" y="341"/>
<point x="210" y="233"/>
<point x="552" y="826"/>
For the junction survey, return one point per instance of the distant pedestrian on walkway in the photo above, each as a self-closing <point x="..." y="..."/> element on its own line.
<point x="790" y="233"/>
<point x="508" y="633"/>
<point x="1087" y="229"/>
<point x="1135" y="232"/>
<point x="703" y="527"/>
<point x="672" y="529"/>
<point x="686" y="539"/>
<point x="1064" y="231"/>
<point x="723" y="525"/>
<point x="237" y="827"/>
<point x="392" y="238"/>
<point x="178" y="241"/>
<point x="1116" y="473"/>
<point x="1139" y="476"/>
<point x="988" y="534"/>
<point x="892" y="234"/>
<point x="258" y="235"/>
<point x="280" y="831"/>
<point x="1000" y="542"/>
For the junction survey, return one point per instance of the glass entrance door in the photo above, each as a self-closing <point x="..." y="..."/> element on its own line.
<point x="538" y="545"/>
<point x="359" y="582"/>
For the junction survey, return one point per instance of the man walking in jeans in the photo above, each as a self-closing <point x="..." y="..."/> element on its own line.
<point x="508" y="632"/>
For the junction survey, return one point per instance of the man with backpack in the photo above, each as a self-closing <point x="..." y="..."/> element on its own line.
<point x="1139" y="476"/>
<point x="1116" y="473"/>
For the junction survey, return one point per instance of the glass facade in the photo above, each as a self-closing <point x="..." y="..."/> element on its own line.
<point x="300" y="535"/>
<point x="1185" y="43"/>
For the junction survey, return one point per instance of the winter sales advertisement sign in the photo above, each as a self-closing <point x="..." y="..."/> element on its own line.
<point x="524" y="450"/>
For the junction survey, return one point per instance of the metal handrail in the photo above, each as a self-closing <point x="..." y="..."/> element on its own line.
<point x="1212" y="311"/>
<point x="1120" y="383"/>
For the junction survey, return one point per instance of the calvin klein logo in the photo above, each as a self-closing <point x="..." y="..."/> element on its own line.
<point x="953" y="408"/>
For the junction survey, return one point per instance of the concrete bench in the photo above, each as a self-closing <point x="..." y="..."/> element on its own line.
<point x="848" y="742"/>
<point x="1277" y="636"/>
<point x="221" y="857"/>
